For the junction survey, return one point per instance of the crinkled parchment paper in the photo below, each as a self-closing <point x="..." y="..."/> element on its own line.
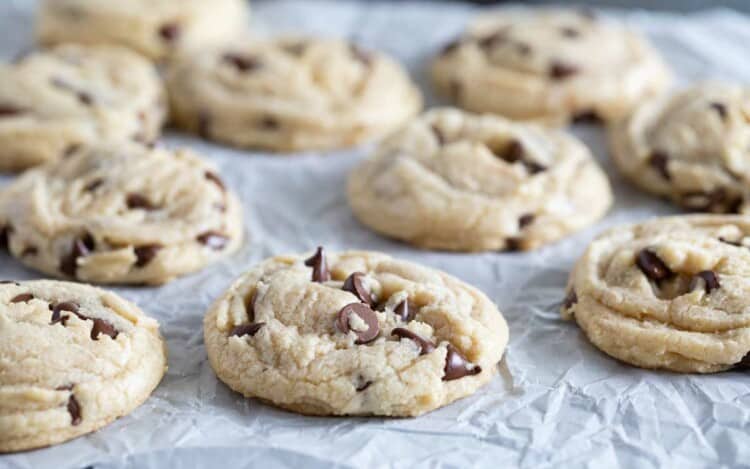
<point x="558" y="401"/>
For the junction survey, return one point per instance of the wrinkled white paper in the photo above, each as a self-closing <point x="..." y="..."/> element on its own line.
<point x="557" y="402"/>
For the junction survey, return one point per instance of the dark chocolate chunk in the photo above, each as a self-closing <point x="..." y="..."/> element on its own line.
<point x="587" y="117"/>
<point x="512" y="152"/>
<point x="243" y="63"/>
<point x="169" y="31"/>
<point x="366" y="314"/>
<point x="57" y="310"/>
<point x="363" y="386"/>
<point x="82" y="246"/>
<point x="570" y="299"/>
<point x="514" y="244"/>
<point x="320" y="266"/>
<point x="74" y="409"/>
<point x="652" y="266"/>
<point x="355" y="285"/>
<point x="213" y="239"/>
<point x="247" y="329"/>
<point x="101" y="326"/>
<point x="138" y="201"/>
<point x="456" y="365"/>
<point x="146" y="253"/>
<point x="526" y="220"/>
<point x="425" y="346"/>
<point x="213" y="177"/>
<point x="561" y="71"/>
<point x="5" y="236"/>
<point x="721" y="109"/>
<point x="22" y="298"/>
<point x="660" y="161"/>
<point x="710" y="281"/>
<point x="404" y="311"/>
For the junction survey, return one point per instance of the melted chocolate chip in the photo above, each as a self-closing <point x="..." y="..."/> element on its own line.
<point x="513" y="244"/>
<point x="320" y="266"/>
<point x="570" y="299"/>
<point x="512" y="152"/>
<point x="659" y="160"/>
<point x="404" y="311"/>
<point x="82" y="246"/>
<point x="363" y="386"/>
<point x="425" y="346"/>
<point x="22" y="298"/>
<point x="456" y="365"/>
<point x="721" y="109"/>
<point x="587" y="117"/>
<point x="57" y="310"/>
<point x="243" y="63"/>
<point x="562" y="71"/>
<point x="652" y="266"/>
<point x="101" y="326"/>
<point x="213" y="177"/>
<point x="93" y="185"/>
<point x="250" y="307"/>
<point x="146" y="253"/>
<point x="526" y="220"/>
<point x="74" y="409"/>
<point x="169" y="31"/>
<point x="138" y="201"/>
<point x="355" y="285"/>
<point x="247" y="329"/>
<point x="367" y="315"/>
<point x="6" y="110"/>
<point x="710" y="281"/>
<point x="213" y="239"/>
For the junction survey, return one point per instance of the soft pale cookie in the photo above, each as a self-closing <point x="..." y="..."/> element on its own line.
<point x="672" y="293"/>
<point x="549" y="64"/>
<point x="120" y="213"/>
<point x="692" y="147"/>
<point x="73" y="358"/>
<point x="156" y="28"/>
<point x="291" y="94"/>
<point x="56" y="100"/>
<point x="353" y="333"/>
<point x="465" y="182"/>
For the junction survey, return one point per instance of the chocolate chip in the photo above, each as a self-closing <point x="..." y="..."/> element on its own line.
<point x="93" y="185"/>
<point x="169" y="31"/>
<point x="138" y="201"/>
<point x="5" y="236"/>
<point x="533" y="167"/>
<point x="404" y="311"/>
<point x="9" y="282"/>
<point x="570" y="299"/>
<point x="365" y="58"/>
<point x="74" y="409"/>
<point x="717" y="200"/>
<point x="22" y="298"/>
<point x="269" y="123"/>
<point x="65" y="387"/>
<point x="320" y="266"/>
<point x="7" y="110"/>
<point x="101" y="326"/>
<point x="652" y="266"/>
<point x="247" y="329"/>
<point x="526" y="220"/>
<point x="512" y="152"/>
<point x="356" y="286"/>
<point x="213" y="177"/>
<point x="425" y="346"/>
<point x="660" y="161"/>
<point x="82" y="246"/>
<point x="721" y="109"/>
<point x="57" y="310"/>
<point x="744" y="363"/>
<point x="456" y="365"/>
<point x="204" y="125"/>
<point x="250" y="307"/>
<point x="710" y="281"/>
<point x="213" y="239"/>
<point x="587" y="117"/>
<point x="561" y="71"/>
<point x="363" y="386"/>
<point x="513" y="244"/>
<point x="243" y="63"/>
<point x="146" y="253"/>
<point x="451" y="47"/>
<point x="569" y="32"/>
<point x="367" y="315"/>
<point x="29" y="251"/>
<point x="733" y="243"/>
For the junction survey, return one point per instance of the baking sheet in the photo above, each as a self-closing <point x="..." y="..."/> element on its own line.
<point x="558" y="401"/>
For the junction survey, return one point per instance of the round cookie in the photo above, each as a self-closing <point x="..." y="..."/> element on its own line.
<point x="465" y="182"/>
<point x="690" y="147"/>
<point x="120" y="213"/>
<point x="549" y="64"/>
<point x="353" y="333"/>
<point x="291" y="94"/>
<point x="671" y="293"/>
<point x="157" y="29"/>
<point x="53" y="101"/>
<point x="74" y="358"/>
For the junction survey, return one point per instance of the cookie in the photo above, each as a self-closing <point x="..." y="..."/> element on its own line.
<point x="552" y="65"/>
<point x="690" y="147"/>
<point x="56" y="100"/>
<point x="291" y="94"/>
<point x="157" y="29"/>
<point x="353" y="333"/>
<point x="74" y="358"/>
<point x="120" y="213"/>
<point x="671" y="293"/>
<point x="465" y="182"/>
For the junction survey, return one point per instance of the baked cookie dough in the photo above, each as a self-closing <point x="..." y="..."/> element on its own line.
<point x="74" y="358"/>
<point x="465" y="182"/>
<point x="671" y="293"/>
<point x="120" y="213"/>
<point x="56" y="100"/>
<point x="157" y="29"/>
<point x="353" y="333"/>
<point x="691" y="147"/>
<point x="291" y="94"/>
<point x="549" y="64"/>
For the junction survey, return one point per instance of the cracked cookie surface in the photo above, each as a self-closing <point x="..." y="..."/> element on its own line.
<point x="459" y="181"/>
<point x="120" y="213"/>
<point x="56" y="100"/>
<point x="291" y="94"/>
<point x="353" y="333"/>
<point x="671" y="293"/>
<point x="73" y="358"/>
<point x="692" y="147"/>
<point x="549" y="64"/>
<point x="157" y="29"/>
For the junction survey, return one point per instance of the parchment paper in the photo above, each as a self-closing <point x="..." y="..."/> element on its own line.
<point x="558" y="401"/>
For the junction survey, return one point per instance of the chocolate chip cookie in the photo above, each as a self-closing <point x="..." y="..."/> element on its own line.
<point x="156" y="28"/>
<point x="74" y="358"/>
<point x="120" y="213"/>
<point x="466" y="182"/>
<point x="692" y="147"/>
<point x="671" y="293"/>
<point x="353" y="333"/>
<point x="291" y="94"/>
<point x="549" y="64"/>
<point x="56" y="100"/>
